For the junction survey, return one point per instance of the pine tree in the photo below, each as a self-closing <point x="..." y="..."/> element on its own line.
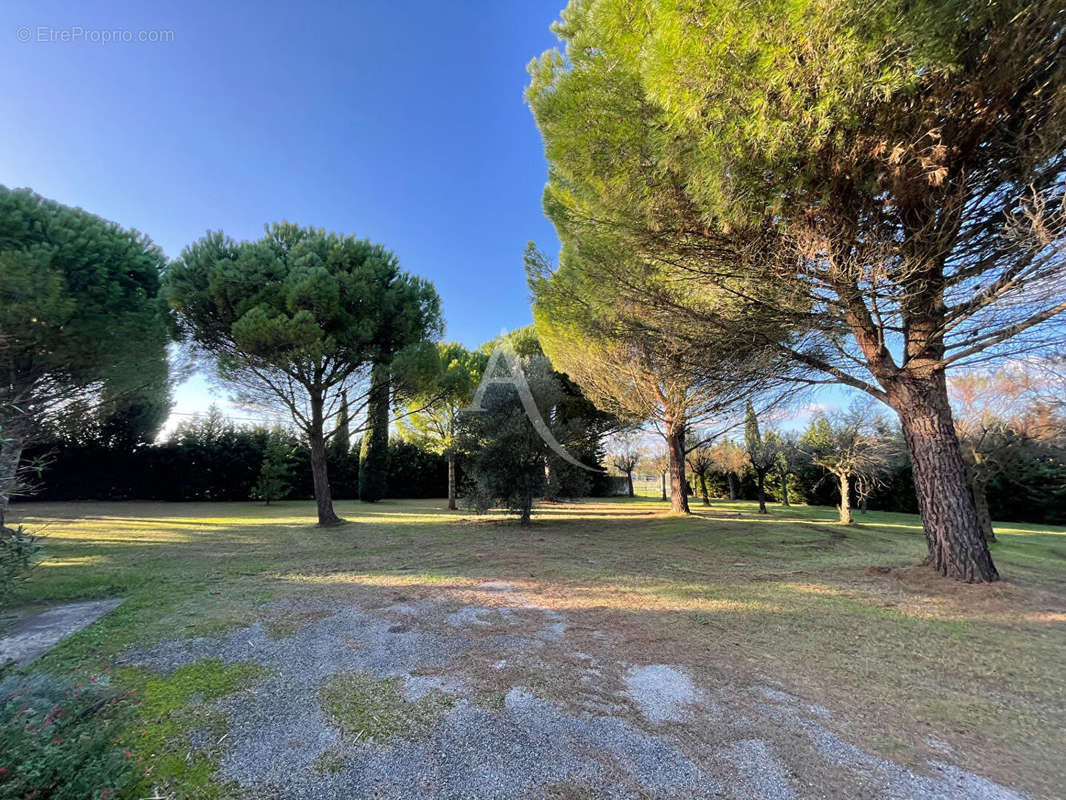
<point x="317" y="311"/>
<point x="80" y="328"/>
<point x="875" y="189"/>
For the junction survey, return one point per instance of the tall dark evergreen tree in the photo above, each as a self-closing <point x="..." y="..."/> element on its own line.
<point x="374" y="451"/>
<point x="341" y="443"/>
<point x="273" y="480"/>
<point x="762" y="454"/>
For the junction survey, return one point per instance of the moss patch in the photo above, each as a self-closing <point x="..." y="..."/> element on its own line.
<point x="367" y="708"/>
<point x="170" y="708"/>
<point x="570" y="791"/>
<point x="493" y="701"/>
<point x="331" y="761"/>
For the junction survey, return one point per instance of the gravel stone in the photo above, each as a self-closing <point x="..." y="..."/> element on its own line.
<point x="529" y="746"/>
<point x="663" y="693"/>
<point x="496" y="586"/>
<point x="416" y="687"/>
<point x="760" y="774"/>
<point x="886" y="779"/>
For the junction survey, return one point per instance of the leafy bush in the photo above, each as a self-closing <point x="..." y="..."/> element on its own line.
<point x="274" y="475"/>
<point x="18" y="550"/>
<point x="505" y="452"/>
<point x="63" y="742"/>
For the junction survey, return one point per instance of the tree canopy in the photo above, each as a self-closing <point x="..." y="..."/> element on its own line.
<point x="508" y="460"/>
<point x="433" y="411"/>
<point x="80" y="325"/>
<point x="298" y="318"/>
<point x="633" y="361"/>
<point x="854" y="448"/>
<point x="876" y="191"/>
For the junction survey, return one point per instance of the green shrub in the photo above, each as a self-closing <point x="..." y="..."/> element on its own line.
<point x="18" y="550"/>
<point x="63" y="742"/>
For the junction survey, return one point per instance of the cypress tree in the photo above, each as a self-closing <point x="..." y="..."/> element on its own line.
<point x="373" y="454"/>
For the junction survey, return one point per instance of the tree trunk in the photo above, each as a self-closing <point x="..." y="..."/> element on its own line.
<point x="451" y="483"/>
<point x="629" y="482"/>
<point x="10" y="456"/>
<point x="761" y="474"/>
<point x="662" y="484"/>
<point x="323" y="496"/>
<point x="980" y="501"/>
<point x="957" y="547"/>
<point x="845" y="499"/>
<point x="784" y="489"/>
<point x="703" y="489"/>
<point x="732" y="485"/>
<point x="527" y="511"/>
<point x="678" y="496"/>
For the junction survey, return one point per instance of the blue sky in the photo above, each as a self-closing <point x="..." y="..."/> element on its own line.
<point x="399" y="121"/>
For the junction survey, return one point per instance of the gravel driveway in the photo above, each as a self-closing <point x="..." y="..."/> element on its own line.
<point x="514" y="700"/>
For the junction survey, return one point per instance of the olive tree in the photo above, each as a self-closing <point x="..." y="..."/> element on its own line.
<point x="853" y="449"/>
<point x="624" y="454"/>
<point x="762" y="453"/>
<point x="701" y="461"/>
<point x="1003" y="418"/>
<point x="731" y="460"/>
<point x="789" y="457"/>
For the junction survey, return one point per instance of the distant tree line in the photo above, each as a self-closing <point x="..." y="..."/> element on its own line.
<point x="211" y="458"/>
<point x="1010" y="423"/>
<point x="487" y="458"/>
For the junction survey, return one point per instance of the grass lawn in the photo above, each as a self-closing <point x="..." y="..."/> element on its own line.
<point x="912" y="665"/>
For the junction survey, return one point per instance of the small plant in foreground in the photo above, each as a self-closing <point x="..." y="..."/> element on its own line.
<point x="18" y="550"/>
<point x="61" y="741"/>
